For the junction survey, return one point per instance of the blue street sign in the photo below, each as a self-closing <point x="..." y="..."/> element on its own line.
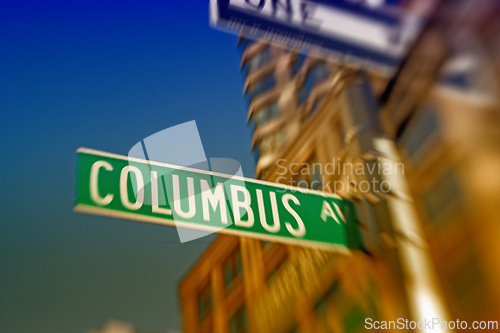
<point x="374" y="35"/>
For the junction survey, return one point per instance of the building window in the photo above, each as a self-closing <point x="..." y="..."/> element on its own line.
<point x="316" y="182"/>
<point x="245" y="42"/>
<point x="316" y="75"/>
<point x="309" y="176"/>
<point x="297" y="64"/>
<point x="205" y="302"/>
<point x="262" y="86"/>
<point x="267" y="113"/>
<point x="316" y="105"/>
<point x="419" y="131"/>
<point x="443" y="195"/>
<point x="259" y="60"/>
<point x="303" y="93"/>
<point x="272" y="143"/>
<point x="303" y="181"/>
<point x="238" y="321"/>
<point x="319" y="73"/>
<point x="468" y="71"/>
<point x="232" y="269"/>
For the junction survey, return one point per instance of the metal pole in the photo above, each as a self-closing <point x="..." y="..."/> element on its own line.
<point x="360" y="118"/>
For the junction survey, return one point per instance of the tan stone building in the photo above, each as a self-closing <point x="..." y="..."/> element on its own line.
<point x="443" y="109"/>
<point x="245" y="285"/>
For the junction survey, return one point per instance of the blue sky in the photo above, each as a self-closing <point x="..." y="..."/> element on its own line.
<point x="103" y="75"/>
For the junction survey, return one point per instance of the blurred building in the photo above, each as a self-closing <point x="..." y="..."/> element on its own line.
<point x="246" y="285"/>
<point x="441" y="110"/>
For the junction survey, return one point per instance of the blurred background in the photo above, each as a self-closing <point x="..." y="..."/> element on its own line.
<point x="105" y="75"/>
<point x="431" y="246"/>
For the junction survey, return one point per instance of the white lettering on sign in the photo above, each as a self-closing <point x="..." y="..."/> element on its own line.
<point x="238" y="205"/>
<point x="301" y="230"/>
<point x="154" y="196"/>
<point x="216" y="198"/>
<point x="327" y="210"/>
<point x="177" y="197"/>
<point x="139" y="199"/>
<point x="262" y="212"/>
<point x="267" y="206"/>
<point x="94" y="189"/>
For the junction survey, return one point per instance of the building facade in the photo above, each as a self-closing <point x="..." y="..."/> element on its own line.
<point x="443" y="110"/>
<point x="294" y="112"/>
<point x="430" y="237"/>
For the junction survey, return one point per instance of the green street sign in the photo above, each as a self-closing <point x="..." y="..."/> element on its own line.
<point x="146" y="191"/>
